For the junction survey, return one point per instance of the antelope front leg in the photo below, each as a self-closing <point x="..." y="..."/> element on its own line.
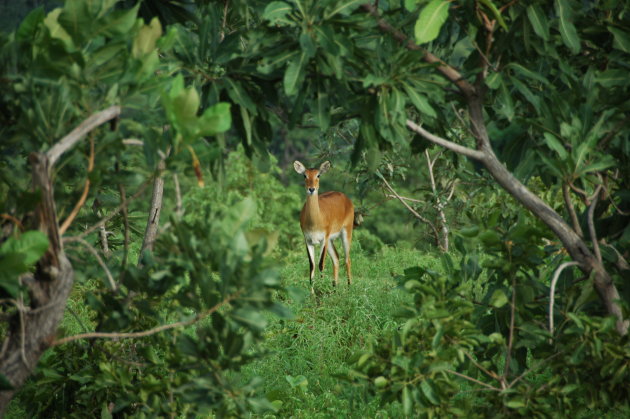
<point x="310" y="249"/>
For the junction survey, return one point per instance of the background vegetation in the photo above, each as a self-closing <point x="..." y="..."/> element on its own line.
<point x="151" y="262"/>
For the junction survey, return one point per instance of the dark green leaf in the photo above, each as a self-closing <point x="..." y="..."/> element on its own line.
<point x="538" y="21"/>
<point x="294" y="75"/>
<point x="567" y="28"/>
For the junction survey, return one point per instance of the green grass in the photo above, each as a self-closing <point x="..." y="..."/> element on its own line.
<point x="305" y="354"/>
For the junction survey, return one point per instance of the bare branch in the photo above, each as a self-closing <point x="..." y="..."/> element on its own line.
<point x="123" y="201"/>
<point x="508" y="356"/>
<point x="179" y="209"/>
<point x="133" y="142"/>
<point x="145" y="333"/>
<point x="474" y="380"/>
<point x="100" y="261"/>
<point x="79" y="132"/>
<point x="468" y="152"/>
<point x="405" y="198"/>
<point x="552" y="290"/>
<point x="414" y="212"/>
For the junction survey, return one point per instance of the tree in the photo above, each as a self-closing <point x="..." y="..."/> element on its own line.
<point x="334" y="56"/>
<point x="85" y="65"/>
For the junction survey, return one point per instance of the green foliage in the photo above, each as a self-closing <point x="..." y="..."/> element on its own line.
<point x="223" y="282"/>
<point x="277" y="211"/>
<point x="478" y="325"/>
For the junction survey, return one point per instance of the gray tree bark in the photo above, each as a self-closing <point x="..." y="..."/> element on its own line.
<point x="32" y="328"/>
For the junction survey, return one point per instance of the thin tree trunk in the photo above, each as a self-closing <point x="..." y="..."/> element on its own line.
<point x="153" y="221"/>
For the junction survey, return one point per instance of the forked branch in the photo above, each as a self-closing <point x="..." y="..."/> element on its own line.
<point x="67" y="142"/>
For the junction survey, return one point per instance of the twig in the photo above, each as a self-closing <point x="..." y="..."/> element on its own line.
<point x="123" y="201"/>
<point x="224" y="22"/>
<point x="469" y="152"/>
<point x="414" y="212"/>
<point x="75" y="211"/>
<point x="489" y="373"/>
<point x="133" y="142"/>
<point x="405" y="198"/>
<point x="524" y="373"/>
<point x="591" y="224"/>
<point x="508" y="357"/>
<point x="474" y="380"/>
<point x="552" y="290"/>
<point x="100" y="261"/>
<point x="14" y="220"/>
<point x="21" y="309"/>
<point x="145" y="333"/>
<point x="77" y="134"/>
<point x="179" y="209"/>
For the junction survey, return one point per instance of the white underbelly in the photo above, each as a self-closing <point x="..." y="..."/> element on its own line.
<point x="317" y="237"/>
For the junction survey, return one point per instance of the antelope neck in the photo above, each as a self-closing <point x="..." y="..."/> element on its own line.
<point x="313" y="215"/>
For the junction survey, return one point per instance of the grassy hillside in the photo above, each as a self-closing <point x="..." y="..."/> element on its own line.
<point x="303" y="355"/>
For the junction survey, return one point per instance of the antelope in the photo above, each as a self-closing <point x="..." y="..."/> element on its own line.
<point x="324" y="218"/>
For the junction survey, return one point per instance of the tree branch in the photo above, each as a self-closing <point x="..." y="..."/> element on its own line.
<point x="84" y="194"/>
<point x="571" y="209"/>
<point x="145" y="333"/>
<point x="100" y="261"/>
<point x="468" y="152"/>
<point x="474" y="380"/>
<point x="450" y="73"/>
<point x="77" y="134"/>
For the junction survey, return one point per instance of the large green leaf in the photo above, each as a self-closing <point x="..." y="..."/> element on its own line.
<point x="343" y="8"/>
<point x="538" y="21"/>
<point x="215" y="120"/>
<point x="294" y="75"/>
<point x="145" y="41"/>
<point x="567" y="28"/>
<point x="430" y="21"/>
<point x="276" y="13"/>
<point x="420" y="101"/>
<point x="555" y="144"/>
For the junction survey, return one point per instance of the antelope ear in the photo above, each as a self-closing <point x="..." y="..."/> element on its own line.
<point x="299" y="167"/>
<point x="324" y="167"/>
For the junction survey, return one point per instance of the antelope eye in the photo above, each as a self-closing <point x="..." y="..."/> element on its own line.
<point x="304" y="176"/>
<point x="318" y="176"/>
